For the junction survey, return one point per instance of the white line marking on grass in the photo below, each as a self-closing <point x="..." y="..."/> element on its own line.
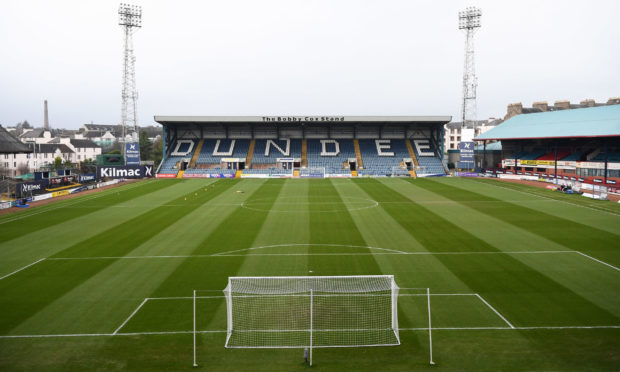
<point x="120" y="334"/>
<point x="225" y="254"/>
<point x="80" y="200"/>
<point x="599" y="261"/>
<point x="307" y="295"/>
<point x="130" y="316"/>
<point x="495" y="311"/>
<point x="550" y="198"/>
<point x="309" y="245"/>
<point x="20" y="269"/>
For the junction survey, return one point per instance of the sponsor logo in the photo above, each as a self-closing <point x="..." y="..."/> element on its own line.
<point x="195" y="175"/>
<point x="132" y="153"/>
<point x="166" y="175"/>
<point x="130" y="171"/>
<point x="61" y="193"/>
<point x="29" y="188"/>
<point x="613" y="182"/>
<point x="113" y="172"/>
<point x="598" y="180"/>
<point x="87" y="177"/>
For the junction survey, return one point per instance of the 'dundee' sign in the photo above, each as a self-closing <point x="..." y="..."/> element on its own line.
<point x="128" y="171"/>
<point x="132" y="153"/>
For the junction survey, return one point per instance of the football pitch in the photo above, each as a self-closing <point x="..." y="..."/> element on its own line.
<point x="520" y="278"/>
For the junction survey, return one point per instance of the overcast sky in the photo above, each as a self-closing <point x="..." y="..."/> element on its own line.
<point x="333" y="57"/>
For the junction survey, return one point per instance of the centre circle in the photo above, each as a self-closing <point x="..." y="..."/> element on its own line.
<point x="305" y="203"/>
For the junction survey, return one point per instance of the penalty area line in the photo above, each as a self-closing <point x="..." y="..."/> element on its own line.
<point x="130" y="316"/>
<point x="120" y="334"/>
<point x="599" y="261"/>
<point x="23" y="268"/>
<point x="495" y="311"/>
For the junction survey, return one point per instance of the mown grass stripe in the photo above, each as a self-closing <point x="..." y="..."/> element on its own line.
<point x="192" y="274"/>
<point x="335" y="227"/>
<point x="570" y="234"/>
<point x="509" y="285"/>
<point x="572" y="199"/>
<point x="53" y="214"/>
<point x="23" y="296"/>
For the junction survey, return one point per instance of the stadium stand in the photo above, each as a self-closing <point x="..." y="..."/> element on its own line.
<point x="260" y="156"/>
<point x="330" y="154"/>
<point x="302" y="146"/>
<point x="381" y="156"/>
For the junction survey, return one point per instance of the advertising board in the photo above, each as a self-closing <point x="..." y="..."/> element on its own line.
<point x="132" y="153"/>
<point x="128" y="171"/>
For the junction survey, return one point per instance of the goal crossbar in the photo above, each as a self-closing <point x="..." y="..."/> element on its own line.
<point x="312" y="311"/>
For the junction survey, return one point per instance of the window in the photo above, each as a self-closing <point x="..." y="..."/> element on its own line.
<point x="14" y="164"/>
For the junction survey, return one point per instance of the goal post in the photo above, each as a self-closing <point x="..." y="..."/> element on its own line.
<point x="312" y="311"/>
<point x="312" y="172"/>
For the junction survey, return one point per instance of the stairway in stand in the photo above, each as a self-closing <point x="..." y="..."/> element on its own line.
<point x="192" y="163"/>
<point x="358" y="155"/>
<point x="414" y="159"/>
<point x="304" y="153"/>
<point x="248" y="160"/>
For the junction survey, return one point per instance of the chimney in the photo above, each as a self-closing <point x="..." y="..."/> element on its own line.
<point x="514" y="109"/>
<point x="587" y="103"/>
<point x="542" y="105"/>
<point x="46" y="123"/>
<point x="562" y="105"/>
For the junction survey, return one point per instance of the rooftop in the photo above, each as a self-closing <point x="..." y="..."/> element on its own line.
<point x="9" y="144"/>
<point x="603" y="121"/>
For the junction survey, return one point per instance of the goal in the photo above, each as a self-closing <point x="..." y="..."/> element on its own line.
<point x="311" y="312"/>
<point x="400" y="172"/>
<point x="312" y="172"/>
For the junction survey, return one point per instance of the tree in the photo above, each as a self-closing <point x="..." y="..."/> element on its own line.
<point x="26" y="125"/>
<point x="146" y="147"/>
<point x="57" y="162"/>
<point x="23" y="168"/>
<point x="157" y="151"/>
<point x="68" y="163"/>
<point x="114" y="148"/>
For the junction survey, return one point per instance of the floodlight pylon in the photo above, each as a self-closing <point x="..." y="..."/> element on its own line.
<point x="469" y="21"/>
<point x="130" y="18"/>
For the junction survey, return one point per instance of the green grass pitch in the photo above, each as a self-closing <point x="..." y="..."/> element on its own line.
<point x="521" y="278"/>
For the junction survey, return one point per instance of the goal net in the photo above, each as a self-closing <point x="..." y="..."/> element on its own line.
<point x="400" y="172"/>
<point x="312" y="172"/>
<point x="311" y="311"/>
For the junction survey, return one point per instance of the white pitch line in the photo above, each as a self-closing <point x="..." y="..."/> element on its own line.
<point x="599" y="261"/>
<point x="20" y="269"/>
<point x="495" y="311"/>
<point x="305" y="254"/>
<point x="81" y="199"/>
<point x="130" y="316"/>
<point x="557" y="200"/>
<point x="224" y="331"/>
<point x="307" y="295"/>
<point x="309" y="245"/>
